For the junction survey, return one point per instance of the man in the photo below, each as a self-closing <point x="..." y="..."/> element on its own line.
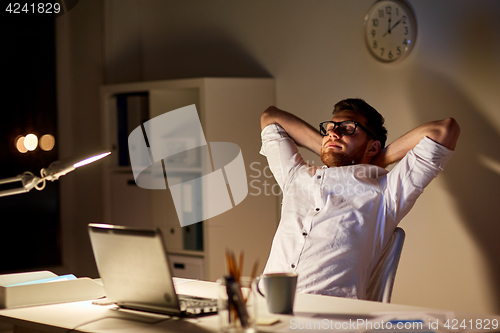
<point x="337" y="219"/>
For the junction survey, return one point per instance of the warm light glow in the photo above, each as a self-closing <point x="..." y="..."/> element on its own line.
<point x="47" y="142"/>
<point x="31" y="142"/>
<point x="20" y="144"/>
<point x="91" y="159"/>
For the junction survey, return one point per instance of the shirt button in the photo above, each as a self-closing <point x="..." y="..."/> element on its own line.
<point x="319" y="177"/>
<point x="293" y="265"/>
<point x="317" y="209"/>
<point x="304" y="233"/>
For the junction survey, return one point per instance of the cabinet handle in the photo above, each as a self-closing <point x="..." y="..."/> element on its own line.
<point x="178" y="265"/>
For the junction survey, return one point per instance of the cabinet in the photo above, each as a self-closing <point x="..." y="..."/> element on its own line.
<point x="229" y="110"/>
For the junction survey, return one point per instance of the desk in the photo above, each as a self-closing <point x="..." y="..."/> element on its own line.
<point x="309" y="309"/>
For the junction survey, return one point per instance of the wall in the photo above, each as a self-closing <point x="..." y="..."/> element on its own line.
<point x="316" y="53"/>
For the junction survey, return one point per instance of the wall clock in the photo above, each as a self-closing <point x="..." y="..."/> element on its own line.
<point x="390" y="30"/>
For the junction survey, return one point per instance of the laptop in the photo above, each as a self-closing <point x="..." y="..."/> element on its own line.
<point x="136" y="272"/>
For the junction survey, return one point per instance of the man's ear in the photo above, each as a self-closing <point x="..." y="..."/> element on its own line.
<point x="373" y="148"/>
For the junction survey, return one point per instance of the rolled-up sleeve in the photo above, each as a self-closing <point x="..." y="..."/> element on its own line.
<point x="407" y="180"/>
<point x="281" y="152"/>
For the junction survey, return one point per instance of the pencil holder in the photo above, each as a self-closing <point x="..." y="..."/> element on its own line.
<point x="237" y="305"/>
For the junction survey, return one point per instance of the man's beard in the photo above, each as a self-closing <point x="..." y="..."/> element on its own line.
<point x="336" y="159"/>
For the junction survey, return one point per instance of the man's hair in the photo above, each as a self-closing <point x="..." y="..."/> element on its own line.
<point x="374" y="120"/>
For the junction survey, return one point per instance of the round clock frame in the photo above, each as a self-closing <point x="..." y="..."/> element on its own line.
<point x="390" y="30"/>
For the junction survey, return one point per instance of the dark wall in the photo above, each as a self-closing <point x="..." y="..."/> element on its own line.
<point x="29" y="237"/>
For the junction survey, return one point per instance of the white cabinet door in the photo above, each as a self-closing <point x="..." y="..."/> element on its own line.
<point x="130" y="204"/>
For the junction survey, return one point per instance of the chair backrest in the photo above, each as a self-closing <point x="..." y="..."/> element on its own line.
<point x="383" y="275"/>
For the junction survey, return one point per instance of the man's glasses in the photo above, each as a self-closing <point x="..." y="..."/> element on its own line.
<point x="347" y="127"/>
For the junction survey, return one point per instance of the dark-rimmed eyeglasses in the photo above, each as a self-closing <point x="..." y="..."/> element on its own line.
<point x="346" y="127"/>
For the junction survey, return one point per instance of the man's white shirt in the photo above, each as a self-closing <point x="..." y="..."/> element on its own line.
<point x="336" y="221"/>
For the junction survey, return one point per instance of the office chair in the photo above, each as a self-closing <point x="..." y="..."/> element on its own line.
<point x="382" y="278"/>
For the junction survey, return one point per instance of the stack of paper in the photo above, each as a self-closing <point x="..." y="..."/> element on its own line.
<point x="44" y="287"/>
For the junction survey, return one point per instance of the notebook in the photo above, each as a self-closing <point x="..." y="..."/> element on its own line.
<point x="136" y="274"/>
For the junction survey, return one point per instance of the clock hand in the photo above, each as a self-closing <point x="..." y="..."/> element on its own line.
<point x="389" y="29"/>
<point x="395" y="24"/>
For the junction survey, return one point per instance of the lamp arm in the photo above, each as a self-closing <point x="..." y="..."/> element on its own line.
<point x="11" y="180"/>
<point x="52" y="173"/>
<point x="28" y="181"/>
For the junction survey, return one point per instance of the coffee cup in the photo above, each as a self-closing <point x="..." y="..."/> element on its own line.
<point x="279" y="291"/>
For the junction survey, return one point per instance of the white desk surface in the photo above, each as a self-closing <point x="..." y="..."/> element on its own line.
<point x="309" y="309"/>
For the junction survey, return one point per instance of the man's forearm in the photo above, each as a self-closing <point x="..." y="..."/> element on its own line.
<point x="301" y="132"/>
<point x="444" y="132"/>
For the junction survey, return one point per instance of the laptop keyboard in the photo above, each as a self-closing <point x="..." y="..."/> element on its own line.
<point x="193" y="304"/>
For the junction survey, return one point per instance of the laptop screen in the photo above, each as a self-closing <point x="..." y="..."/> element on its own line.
<point x="134" y="267"/>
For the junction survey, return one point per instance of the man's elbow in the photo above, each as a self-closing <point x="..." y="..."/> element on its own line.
<point x="452" y="126"/>
<point x="270" y="111"/>
<point x="268" y="116"/>
<point x="449" y="132"/>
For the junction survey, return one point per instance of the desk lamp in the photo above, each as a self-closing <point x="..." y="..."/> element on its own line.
<point x="52" y="173"/>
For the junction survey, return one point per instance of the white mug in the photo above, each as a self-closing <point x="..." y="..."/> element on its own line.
<point x="279" y="291"/>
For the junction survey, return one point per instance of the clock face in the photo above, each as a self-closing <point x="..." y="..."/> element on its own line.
<point x="390" y="30"/>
